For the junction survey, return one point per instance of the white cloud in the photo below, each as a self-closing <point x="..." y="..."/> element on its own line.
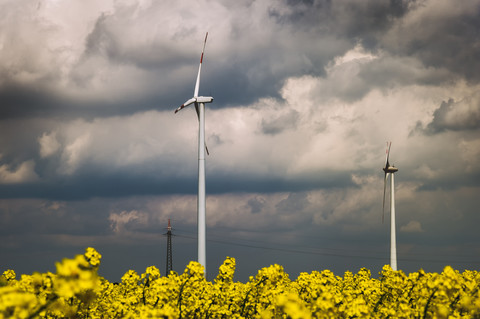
<point x="470" y="153"/>
<point x="357" y="54"/>
<point x="413" y="226"/>
<point x="425" y="172"/>
<point x="122" y="222"/>
<point x="48" y="144"/>
<point x="143" y="140"/>
<point x="24" y="173"/>
<point x="306" y="134"/>
<point x="75" y="153"/>
<point x="42" y="40"/>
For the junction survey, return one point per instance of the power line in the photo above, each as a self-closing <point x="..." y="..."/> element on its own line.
<point x="331" y="254"/>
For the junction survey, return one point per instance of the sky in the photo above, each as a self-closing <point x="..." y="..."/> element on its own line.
<point x="306" y="95"/>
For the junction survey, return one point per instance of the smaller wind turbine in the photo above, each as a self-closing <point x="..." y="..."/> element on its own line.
<point x="390" y="170"/>
<point x="199" y="102"/>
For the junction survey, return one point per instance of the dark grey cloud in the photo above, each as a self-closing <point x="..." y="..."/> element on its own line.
<point x="440" y="35"/>
<point x="451" y="115"/>
<point x="117" y="37"/>
<point x="89" y="184"/>
<point x="388" y="71"/>
<point x="129" y="52"/>
<point x="455" y="116"/>
<point x="281" y="123"/>
<point x="20" y="101"/>
<point x="140" y="66"/>
<point x="41" y="217"/>
<point x="295" y="202"/>
<point x="366" y="21"/>
<point x="449" y="182"/>
<point x="256" y="204"/>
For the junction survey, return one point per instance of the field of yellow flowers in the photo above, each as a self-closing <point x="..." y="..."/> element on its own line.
<point x="77" y="291"/>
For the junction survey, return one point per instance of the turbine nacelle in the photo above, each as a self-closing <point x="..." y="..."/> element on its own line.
<point x="390" y="169"/>
<point x="198" y="99"/>
<point x="204" y="99"/>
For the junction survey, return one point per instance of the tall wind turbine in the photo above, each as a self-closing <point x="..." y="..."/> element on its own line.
<point x="390" y="170"/>
<point x="199" y="102"/>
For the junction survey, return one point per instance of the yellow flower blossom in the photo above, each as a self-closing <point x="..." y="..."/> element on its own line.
<point x="76" y="290"/>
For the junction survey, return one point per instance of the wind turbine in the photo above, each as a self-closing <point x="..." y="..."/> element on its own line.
<point x="199" y="102"/>
<point x="390" y="170"/>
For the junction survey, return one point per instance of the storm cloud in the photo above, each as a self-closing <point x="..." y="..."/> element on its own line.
<point x="306" y="93"/>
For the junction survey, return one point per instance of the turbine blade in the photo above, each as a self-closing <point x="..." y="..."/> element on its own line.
<point x="179" y="108"/>
<point x="384" y="191"/>
<point x="197" y="84"/>
<point x="198" y="116"/>
<point x="196" y="110"/>
<point x="187" y="103"/>
<point x="387" y="164"/>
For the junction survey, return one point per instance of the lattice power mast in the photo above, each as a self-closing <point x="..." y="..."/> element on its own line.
<point x="169" y="249"/>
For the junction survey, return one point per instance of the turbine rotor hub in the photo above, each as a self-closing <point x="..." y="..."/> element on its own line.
<point x="390" y="169"/>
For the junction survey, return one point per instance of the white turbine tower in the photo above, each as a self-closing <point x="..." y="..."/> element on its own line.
<point x="199" y="102"/>
<point x="390" y="170"/>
